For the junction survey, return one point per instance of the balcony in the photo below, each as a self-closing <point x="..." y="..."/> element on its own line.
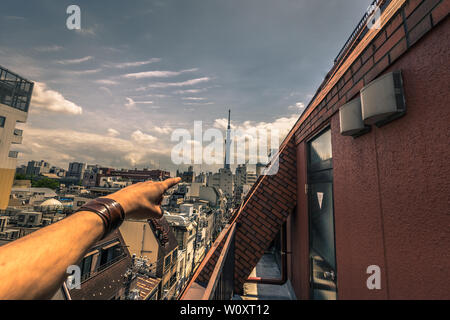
<point x="15" y="91"/>
<point x="266" y="282"/>
<point x="17" y="137"/>
<point x="13" y="154"/>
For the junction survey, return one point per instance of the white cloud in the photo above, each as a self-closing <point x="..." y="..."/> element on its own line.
<point x="283" y="125"/>
<point x="193" y="98"/>
<point x="190" y="91"/>
<point x="75" y="61"/>
<point x="179" y="84"/>
<point x="299" y="106"/>
<point x="161" y="130"/>
<point x="113" y="132"/>
<point x="106" y="82"/>
<point x="87" y="31"/>
<point x="49" y="100"/>
<point x="134" y="64"/>
<point x="83" y="72"/>
<point x="131" y="103"/>
<point x="139" y="137"/>
<point x="52" y="48"/>
<point x="156" y="74"/>
<point x="60" y="146"/>
<point x="104" y="89"/>
<point x="198" y="103"/>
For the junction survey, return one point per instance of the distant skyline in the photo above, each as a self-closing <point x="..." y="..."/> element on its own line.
<point x="112" y="92"/>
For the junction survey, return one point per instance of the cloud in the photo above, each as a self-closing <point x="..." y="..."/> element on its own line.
<point x="108" y="91"/>
<point x="106" y="82"/>
<point x="52" y="48"/>
<point x="87" y="31"/>
<point x="198" y="103"/>
<point x="190" y="91"/>
<point x="134" y="64"/>
<point x="75" y="61"/>
<point x="162" y="130"/>
<point x="299" y="106"/>
<point x="139" y="137"/>
<point x="193" y="98"/>
<point x="131" y="103"/>
<point x="283" y="125"/>
<point x="83" y="72"/>
<point x="156" y="74"/>
<point x="113" y="132"/>
<point x="61" y="146"/>
<point x="49" y="100"/>
<point x="179" y="84"/>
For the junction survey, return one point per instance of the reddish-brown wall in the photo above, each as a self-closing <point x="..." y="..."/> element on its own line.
<point x="391" y="186"/>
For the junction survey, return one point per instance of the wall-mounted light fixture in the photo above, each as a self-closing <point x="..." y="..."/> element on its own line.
<point x="351" y="120"/>
<point x="383" y="100"/>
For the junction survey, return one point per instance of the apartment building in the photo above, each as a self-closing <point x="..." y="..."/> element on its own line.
<point x="155" y="241"/>
<point x="15" y="96"/>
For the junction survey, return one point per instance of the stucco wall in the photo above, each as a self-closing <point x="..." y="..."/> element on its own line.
<point x="391" y="189"/>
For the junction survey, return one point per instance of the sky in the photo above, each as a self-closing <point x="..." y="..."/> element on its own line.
<point x="113" y="92"/>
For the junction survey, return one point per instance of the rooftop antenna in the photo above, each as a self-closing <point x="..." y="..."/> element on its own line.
<point x="228" y="143"/>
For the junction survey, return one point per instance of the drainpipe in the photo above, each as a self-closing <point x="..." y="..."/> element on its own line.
<point x="283" y="278"/>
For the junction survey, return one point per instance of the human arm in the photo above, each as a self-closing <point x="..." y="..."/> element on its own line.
<point x="34" y="267"/>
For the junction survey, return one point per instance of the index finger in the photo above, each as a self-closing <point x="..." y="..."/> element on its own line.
<point x="169" y="183"/>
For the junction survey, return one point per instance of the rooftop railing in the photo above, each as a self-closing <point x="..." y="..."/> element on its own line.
<point x="361" y="28"/>
<point x="221" y="283"/>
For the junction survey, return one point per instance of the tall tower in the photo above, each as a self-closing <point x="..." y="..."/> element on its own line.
<point x="228" y="143"/>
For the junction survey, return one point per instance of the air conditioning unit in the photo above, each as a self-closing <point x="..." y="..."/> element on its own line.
<point x="383" y="100"/>
<point x="351" y="120"/>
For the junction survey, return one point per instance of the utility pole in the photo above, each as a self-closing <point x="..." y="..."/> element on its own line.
<point x="195" y="245"/>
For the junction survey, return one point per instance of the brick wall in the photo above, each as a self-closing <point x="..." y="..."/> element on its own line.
<point x="266" y="208"/>
<point x="273" y="198"/>
<point x="414" y="19"/>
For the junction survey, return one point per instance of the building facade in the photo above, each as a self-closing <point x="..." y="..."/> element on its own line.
<point x="15" y="96"/>
<point x="363" y="195"/>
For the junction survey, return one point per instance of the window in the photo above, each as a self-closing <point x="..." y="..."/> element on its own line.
<point x="85" y="267"/>
<point x="110" y="254"/>
<point x="175" y="255"/>
<point x="323" y="283"/>
<point x="167" y="262"/>
<point x="2" y="122"/>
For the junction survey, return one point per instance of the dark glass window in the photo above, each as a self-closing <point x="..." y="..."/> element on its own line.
<point x="2" y="122"/>
<point x="321" y="218"/>
<point x="86" y="267"/>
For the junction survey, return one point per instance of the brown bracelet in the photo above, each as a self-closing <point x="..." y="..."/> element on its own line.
<point x="109" y="210"/>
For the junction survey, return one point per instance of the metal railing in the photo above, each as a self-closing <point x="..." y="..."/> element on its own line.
<point x="110" y="263"/>
<point x="15" y="91"/>
<point x="361" y="28"/>
<point x="221" y="282"/>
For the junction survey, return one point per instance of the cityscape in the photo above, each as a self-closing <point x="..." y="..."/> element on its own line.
<point x="223" y="162"/>
<point x="161" y="255"/>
